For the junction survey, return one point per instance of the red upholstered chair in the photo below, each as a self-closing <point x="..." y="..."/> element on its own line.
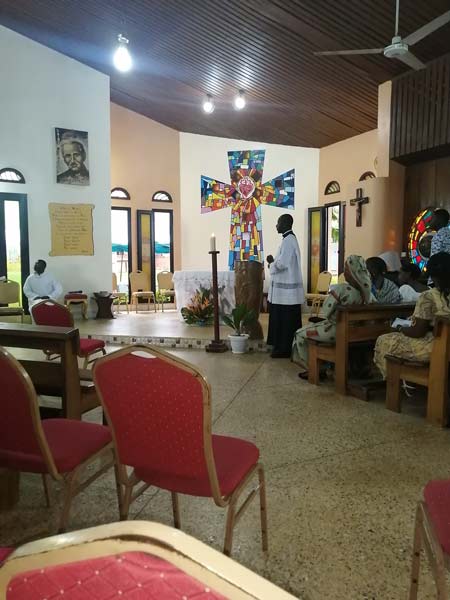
<point x="77" y="299"/>
<point x="432" y="531"/>
<point x="159" y="410"/>
<point x="53" y="314"/>
<point x="61" y="448"/>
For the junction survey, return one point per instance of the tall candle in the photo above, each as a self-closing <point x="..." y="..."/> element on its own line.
<point x="212" y="243"/>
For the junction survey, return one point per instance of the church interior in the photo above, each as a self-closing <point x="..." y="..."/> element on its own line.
<point x="224" y="293"/>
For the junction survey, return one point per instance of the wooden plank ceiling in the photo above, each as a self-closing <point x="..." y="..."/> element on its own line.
<point x="183" y="49"/>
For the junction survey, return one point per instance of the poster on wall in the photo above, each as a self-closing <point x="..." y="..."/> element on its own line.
<point x="71" y="229"/>
<point x="72" y="156"/>
<point x="245" y="195"/>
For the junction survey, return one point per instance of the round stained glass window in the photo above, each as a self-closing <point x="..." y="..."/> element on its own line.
<point x="419" y="239"/>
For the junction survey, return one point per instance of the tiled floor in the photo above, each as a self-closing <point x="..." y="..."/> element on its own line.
<point x="343" y="478"/>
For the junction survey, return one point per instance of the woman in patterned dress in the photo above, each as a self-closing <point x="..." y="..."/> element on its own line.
<point x="355" y="290"/>
<point x="416" y="342"/>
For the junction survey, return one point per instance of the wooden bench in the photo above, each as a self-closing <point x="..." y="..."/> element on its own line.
<point x="61" y="379"/>
<point x="433" y="375"/>
<point x="357" y="323"/>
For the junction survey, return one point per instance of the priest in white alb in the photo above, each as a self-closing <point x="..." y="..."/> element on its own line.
<point x="286" y="294"/>
<point x="41" y="285"/>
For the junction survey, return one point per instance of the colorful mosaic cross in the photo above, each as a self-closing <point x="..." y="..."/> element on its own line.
<point x="245" y="195"/>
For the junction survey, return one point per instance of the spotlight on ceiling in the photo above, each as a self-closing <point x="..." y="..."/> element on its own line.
<point x="239" y="101"/>
<point x="208" y="104"/>
<point x="122" y="56"/>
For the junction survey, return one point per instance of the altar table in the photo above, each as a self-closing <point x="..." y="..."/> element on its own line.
<point x="186" y="283"/>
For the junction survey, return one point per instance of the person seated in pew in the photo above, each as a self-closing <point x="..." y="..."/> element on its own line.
<point x="415" y="342"/>
<point x="384" y="290"/>
<point x="410" y="285"/>
<point x="41" y="285"/>
<point x="393" y="264"/>
<point x="355" y="290"/>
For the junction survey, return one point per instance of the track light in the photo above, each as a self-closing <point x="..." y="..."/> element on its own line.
<point x="122" y="56"/>
<point x="208" y="104"/>
<point x="239" y="101"/>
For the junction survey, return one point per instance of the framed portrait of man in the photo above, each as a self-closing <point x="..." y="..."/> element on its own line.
<point x="72" y="156"/>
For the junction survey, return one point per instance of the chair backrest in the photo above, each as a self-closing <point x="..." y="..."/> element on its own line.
<point x="165" y="280"/>
<point x="52" y="314"/>
<point x="341" y="278"/>
<point x="323" y="282"/>
<point x="139" y="281"/>
<point x="22" y="439"/>
<point x="9" y="292"/>
<point x="114" y="282"/>
<point x="158" y="408"/>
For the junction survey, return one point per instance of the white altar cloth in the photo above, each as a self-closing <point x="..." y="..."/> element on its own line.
<point x="187" y="282"/>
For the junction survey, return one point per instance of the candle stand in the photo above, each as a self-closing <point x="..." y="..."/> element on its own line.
<point x="216" y="345"/>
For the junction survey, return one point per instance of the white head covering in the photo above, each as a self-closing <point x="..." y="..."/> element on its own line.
<point x="392" y="260"/>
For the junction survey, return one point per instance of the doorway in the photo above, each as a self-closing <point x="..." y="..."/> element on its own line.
<point x="14" y="249"/>
<point x="155" y="243"/>
<point x="121" y="247"/>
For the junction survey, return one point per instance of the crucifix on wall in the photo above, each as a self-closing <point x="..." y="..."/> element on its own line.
<point x="359" y="201"/>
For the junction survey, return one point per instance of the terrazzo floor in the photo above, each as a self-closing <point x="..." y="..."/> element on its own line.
<point x="343" y="479"/>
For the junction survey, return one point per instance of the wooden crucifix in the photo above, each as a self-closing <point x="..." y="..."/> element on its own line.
<point x="359" y="201"/>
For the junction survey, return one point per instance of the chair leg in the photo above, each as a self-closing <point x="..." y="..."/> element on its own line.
<point x="263" y="508"/>
<point x="126" y="501"/>
<point x="417" y="547"/>
<point x="46" y="491"/>
<point x="85" y="362"/>
<point x="176" y="511"/>
<point x="393" y="400"/>
<point x="103" y="351"/>
<point x="70" y="487"/>
<point x="118" y="484"/>
<point x="229" y="528"/>
<point x="313" y="365"/>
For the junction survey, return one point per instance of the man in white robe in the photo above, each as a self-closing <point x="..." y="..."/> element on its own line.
<point x="41" y="285"/>
<point x="286" y="294"/>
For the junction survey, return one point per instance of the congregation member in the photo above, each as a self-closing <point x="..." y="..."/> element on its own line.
<point x="384" y="290"/>
<point x="416" y="342"/>
<point x="441" y="240"/>
<point x="355" y="290"/>
<point x="41" y="285"/>
<point x="286" y="294"/>
<point x="393" y="264"/>
<point x="410" y="284"/>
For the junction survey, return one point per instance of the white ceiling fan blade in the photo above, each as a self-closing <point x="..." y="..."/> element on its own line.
<point x="430" y="27"/>
<point x="343" y="52"/>
<point x="410" y="60"/>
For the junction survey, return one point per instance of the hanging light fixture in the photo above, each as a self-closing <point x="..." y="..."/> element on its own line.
<point x="208" y="104"/>
<point x="239" y="100"/>
<point x="122" y="56"/>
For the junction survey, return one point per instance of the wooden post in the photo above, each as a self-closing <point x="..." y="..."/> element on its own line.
<point x="216" y="345"/>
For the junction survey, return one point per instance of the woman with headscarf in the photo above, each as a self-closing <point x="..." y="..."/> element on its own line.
<point x="355" y="290"/>
<point x="416" y="342"/>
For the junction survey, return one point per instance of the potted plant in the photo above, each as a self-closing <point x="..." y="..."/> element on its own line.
<point x="240" y="317"/>
<point x="200" y="310"/>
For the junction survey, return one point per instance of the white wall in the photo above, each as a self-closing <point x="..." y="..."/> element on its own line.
<point x="42" y="89"/>
<point x="204" y="155"/>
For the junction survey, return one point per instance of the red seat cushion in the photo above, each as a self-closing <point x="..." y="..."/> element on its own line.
<point x="131" y="575"/>
<point x="75" y="297"/>
<point x="437" y="500"/>
<point x="233" y="457"/>
<point x="88" y="346"/>
<point x="70" y="442"/>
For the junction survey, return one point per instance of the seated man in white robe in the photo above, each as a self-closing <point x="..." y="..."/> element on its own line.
<point x="286" y="293"/>
<point x="41" y="285"/>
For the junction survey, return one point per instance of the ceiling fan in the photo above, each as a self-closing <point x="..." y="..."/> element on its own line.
<point x="399" y="47"/>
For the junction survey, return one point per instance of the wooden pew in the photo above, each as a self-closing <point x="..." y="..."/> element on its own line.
<point x="433" y="375"/>
<point x="357" y="323"/>
<point x="60" y="379"/>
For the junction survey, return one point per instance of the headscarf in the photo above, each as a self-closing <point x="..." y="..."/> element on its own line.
<point x="392" y="260"/>
<point x="358" y="276"/>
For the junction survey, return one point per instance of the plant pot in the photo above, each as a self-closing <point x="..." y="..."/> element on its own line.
<point x="239" y="343"/>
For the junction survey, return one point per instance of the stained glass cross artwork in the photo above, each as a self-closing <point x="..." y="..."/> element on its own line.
<point x="245" y="195"/>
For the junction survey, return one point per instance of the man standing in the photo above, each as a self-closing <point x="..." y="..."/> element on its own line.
<point x="41" y="286"/>
<point x="286" y="293"/>
<point x="441" y="240"/>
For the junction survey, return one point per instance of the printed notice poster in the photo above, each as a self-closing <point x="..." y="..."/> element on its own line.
<point x="71" y="229"/>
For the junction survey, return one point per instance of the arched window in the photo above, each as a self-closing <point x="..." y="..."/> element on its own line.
<point x="367" y="175"/>
<point x="332" y="188"/>
<point x="10" y="175"/>
<point x="161" y="196"/>
<point x="119" y="193"/>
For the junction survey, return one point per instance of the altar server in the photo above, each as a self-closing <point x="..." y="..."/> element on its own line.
<point x="286" y="294"/>
<point x="41" y="285"/>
